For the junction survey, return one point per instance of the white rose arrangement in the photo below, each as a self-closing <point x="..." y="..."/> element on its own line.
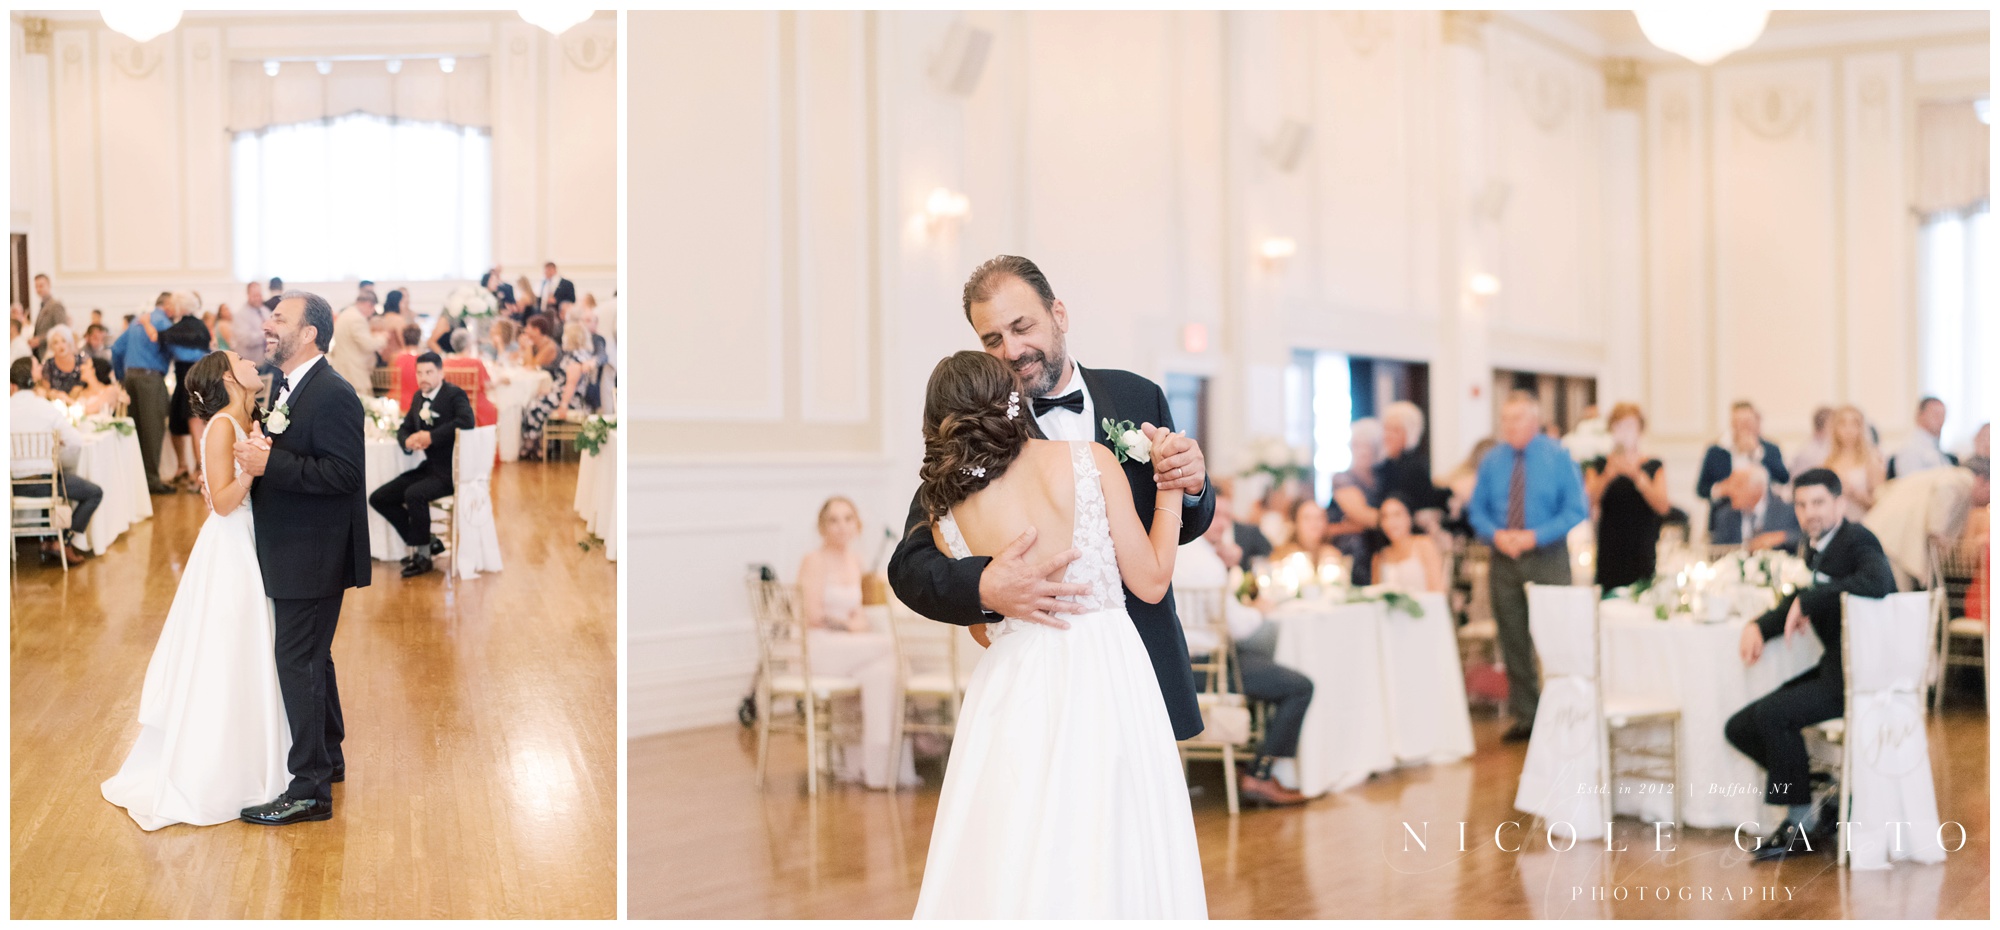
<point x="469" y="300"/>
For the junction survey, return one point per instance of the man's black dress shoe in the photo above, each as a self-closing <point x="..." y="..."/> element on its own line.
<point x="419" y="564"/>
<point x="1789" y="840"/>
<point x="339" y="774"/>
<point x="1518" y="732"/>
<point x="437" y="547"/>
<point x="286" y="810"/>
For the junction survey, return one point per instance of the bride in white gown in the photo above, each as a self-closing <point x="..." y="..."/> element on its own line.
<point x="213" y="736"/>
<point x="1063" y="795"/>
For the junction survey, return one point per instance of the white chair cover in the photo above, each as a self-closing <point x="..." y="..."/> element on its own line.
<point x="1428" y="718"/>
<point x="1566" y="751"/>
<point x="1888" y="645"/>
<point x="478" y="534"/>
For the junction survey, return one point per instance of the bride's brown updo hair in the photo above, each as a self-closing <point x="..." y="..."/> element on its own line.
<point x="969" y="440"/>
<point x="208" y="393"/>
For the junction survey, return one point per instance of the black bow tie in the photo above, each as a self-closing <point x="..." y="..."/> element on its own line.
<point x="277" y="388"/>
<point x="1072" y="402"/>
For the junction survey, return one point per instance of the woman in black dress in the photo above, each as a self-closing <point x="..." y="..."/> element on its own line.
<point x="1629" y="492"/>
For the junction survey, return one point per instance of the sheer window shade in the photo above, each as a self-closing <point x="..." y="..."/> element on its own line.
<point x="420" y="92"/>
<point x="1953" y="146"/>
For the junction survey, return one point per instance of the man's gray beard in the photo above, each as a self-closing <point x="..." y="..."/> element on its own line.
<point x="1054" y="367"/>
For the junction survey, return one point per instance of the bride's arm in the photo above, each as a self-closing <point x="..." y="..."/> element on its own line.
<point x="221" y="445"/>
<point x="1145" y="560"/>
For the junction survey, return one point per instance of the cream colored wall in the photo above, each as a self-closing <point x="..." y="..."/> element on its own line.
<point x="781" y="160"/>
<point x="121" y="160"/>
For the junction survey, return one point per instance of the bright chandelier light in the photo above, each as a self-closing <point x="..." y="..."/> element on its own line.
<point x="141" y="22"/>
<point x="1702" y="34"/>
<point x="557" y="16"/>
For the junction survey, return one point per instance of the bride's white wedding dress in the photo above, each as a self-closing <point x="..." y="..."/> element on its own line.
<point x="213" y="735"/>
<point x="1064" y="794"/>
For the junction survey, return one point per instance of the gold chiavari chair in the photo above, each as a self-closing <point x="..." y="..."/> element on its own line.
<point x="1228" y="724"/>
<point x="928" y="670"/>
<point x="785" y="680"/>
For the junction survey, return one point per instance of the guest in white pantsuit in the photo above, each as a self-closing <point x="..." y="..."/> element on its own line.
<point x="843" y="644"/>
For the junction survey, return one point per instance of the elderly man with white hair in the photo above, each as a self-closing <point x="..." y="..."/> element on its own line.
<point x="1751" y="515"/>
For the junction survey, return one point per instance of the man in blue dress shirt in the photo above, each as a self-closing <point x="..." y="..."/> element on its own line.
<point x="1528" y="497"/>
<point x="139" y="362"/>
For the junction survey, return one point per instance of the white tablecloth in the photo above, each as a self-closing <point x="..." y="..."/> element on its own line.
<point x="1384" y="687"/>
<point x="597" y="494"/>
<point x="386" y="460"/>
<point x="522" y="386"/>
<point x="112" y="462"/>
<point x="1695" y="665"/>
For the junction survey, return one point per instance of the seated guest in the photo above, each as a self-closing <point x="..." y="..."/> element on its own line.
<point x="1921" y="450"/>
<point x="1409" y="561"/>
<point x="1746" y="446"/>
<point x="1751" y="515"/>
<point x="1813" y="454"/>
<point x="1854" y="457"/>
<point x="1845" y="559"/>
<point x="1924" y="510"/>
<point x="30" y="414"/>
<point x="63" y="369"/>
<point x="431" y="426"/>
<point x="563" y="399"/>
<point x="1629" y="493"/>
<point x="1246" y="536"/>
<point x="19" y="348"/>
<point x="500" y="336"/>
<point x="1205" y="563"/>
<point x="405" y="363"/>
<point x="1405" y="470"/>
<point x="582" y="368"/>
<point x="97" y="342"/>
<point x="100" y="393"/>
<point x="539" y="348"/>
<point x="845" y="644"/>
<point x="1306" y="533"/>
<point x="1273" y="512"/>
<point x="1356" y="491"/>
<point x="462" y="359"/>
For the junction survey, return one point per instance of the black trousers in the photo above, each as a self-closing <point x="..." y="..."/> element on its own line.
<point x="1508" y="579"/>
<point x="1770" y="731"/>
<point x="1290" y="691"/>
<point x="180" y="407"/>
<point x="312" y="700"/>
<point x="149" y="417"/>
<point x="405" y="501"/>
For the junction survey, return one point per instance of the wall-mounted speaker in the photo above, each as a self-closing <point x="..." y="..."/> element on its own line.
<point x="960" y="60"/>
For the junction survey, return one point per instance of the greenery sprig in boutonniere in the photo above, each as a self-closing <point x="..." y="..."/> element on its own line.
<point x="278" y="420"/>
<point x="1128" y="442"/>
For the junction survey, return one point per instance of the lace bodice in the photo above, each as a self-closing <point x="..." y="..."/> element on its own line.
<point x="1097" y="564"/>
<point x="237" y="428"/>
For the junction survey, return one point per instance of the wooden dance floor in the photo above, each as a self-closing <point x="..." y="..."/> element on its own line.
<point x="482" y="723"/>
<point x="705" y="843"/>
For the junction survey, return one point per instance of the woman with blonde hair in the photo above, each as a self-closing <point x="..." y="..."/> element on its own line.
<point x="1629" y="493"/>
<point x="1852" y="455"/>
<point x="843" y="643"/>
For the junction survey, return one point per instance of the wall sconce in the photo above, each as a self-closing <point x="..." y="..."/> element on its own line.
<point x="395" y="65"/>
<point x="1483" y="284"/>
<point x="945" y="209"/>
<point x="325" y="67"/>
<point x="1275" y="250"/>
<point x="447" y="63"/>
<point x="271" y="67"/>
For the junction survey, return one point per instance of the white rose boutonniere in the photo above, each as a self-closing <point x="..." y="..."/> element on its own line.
<point x="426" y="415"/>
<point x="1127" y="442"/>
<point x="278" y="419"/>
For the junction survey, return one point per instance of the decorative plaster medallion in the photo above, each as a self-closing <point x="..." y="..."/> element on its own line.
<point x="1773" y="112"/>
<point x="1545" y="95"/>
<point x="588" y="52"/>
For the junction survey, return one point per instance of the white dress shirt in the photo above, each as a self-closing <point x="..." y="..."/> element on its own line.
<point x="27" y="413"/>
<point x="1919" y="453"/>
<point x="292" y="380"/>
<point x="1198" y="566"/>
<point x="1753" y="520"/>
<point x="1060" y="424"/>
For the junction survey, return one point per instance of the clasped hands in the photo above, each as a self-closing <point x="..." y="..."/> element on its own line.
<point x="418" y="441"/>
<point x="253" y="452"/>
<point x="1013" y="586"/>
<point x="1511" y="543"/>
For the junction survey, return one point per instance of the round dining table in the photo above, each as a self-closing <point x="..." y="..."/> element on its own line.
<point x="110" y="459"/>
<point x="386" y="460"/>
<point x="597" y="493"/>
<point x="512" y="390"/>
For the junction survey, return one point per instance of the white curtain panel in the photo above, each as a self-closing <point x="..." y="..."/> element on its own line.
<point x="363" y="196"/>
<point x="1953" y="172"/>
<point x="420" y="91"/>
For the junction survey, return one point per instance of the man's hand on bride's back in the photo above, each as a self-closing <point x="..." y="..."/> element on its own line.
<point x="1015" y="586"/>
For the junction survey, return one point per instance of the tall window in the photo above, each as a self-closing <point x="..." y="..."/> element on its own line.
<point x="362" y="196"/>
<point x="1958" y="308"/>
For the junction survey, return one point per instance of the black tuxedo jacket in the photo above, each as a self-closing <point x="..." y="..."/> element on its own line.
<point x="1853" y="563"/>
<point x="565" y="292"/>
<point x="1725" y="522"/>
<point x="451" y="411"/>
<point x="946" y="589"/>
<point x="311" y="504"/>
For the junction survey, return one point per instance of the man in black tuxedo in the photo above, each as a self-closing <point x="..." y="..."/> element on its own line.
<point x="437" y="413"/>
<point x="1015" y="313"/>
<point x="1751" y="515"/>
<point x="556" y="290"/>
<point x="1845" y="558"/>
<point x="312" y="541"/>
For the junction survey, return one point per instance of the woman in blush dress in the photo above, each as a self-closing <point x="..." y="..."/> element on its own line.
<point x="1409" y="561"/>
<point x="844" y="643"/>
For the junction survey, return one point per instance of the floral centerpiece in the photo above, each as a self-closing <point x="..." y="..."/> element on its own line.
<point x="385" y="414"/>
<point x="469" y="301"/>
<point x="1589" y="443"/>
<point x="1739" y="583"/>
<point x="595" y="430"/>
<point x="1269" y="455"/>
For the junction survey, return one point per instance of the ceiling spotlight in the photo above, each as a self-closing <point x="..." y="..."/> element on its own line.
<point x="556" y="17"/>
<point x="271" y="67"/>
<point x="447" y="63"/>
<point x="395" y="65"/>
<point x="325" y="67"/>
<point x="141" y="22"/>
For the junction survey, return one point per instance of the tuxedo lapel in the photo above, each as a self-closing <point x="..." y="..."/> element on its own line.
<point x="1101" y="403"/>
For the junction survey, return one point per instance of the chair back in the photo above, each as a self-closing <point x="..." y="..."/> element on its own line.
<point x="1204" y="608"/>
<point x="1887" y="642"/>
<point x="925" y="648"/>
<point x="39" y="448"/>
<point x="465" y="378"/>
<point x="472" y="454"/>
<point x="1562" y="619"/>
<point x="781" y="640"/>
<point x="1954" y="570"/>
<point x="386" y="382"/>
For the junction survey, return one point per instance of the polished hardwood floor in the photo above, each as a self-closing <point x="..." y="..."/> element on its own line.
<point x="482" y="738"/>
<point x="704" y="842"/>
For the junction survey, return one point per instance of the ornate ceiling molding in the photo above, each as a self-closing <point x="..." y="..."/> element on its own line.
<point x="40" y="39"/>
<point x="1466" y="27"/>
